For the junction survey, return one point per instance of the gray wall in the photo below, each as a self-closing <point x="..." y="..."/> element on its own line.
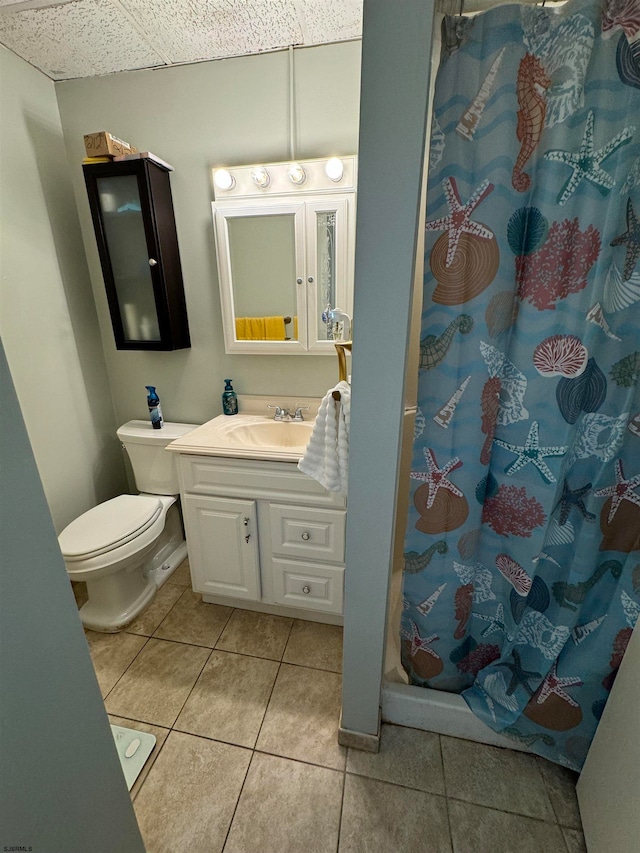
<point x="48" y="319"/>
<point x="61" y="789"/>
<point x="229" y="112"/>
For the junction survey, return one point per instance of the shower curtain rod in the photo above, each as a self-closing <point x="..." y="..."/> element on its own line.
<point x="456" y="7"/>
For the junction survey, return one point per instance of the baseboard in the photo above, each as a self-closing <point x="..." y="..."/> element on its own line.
<point x="359" y="740"/>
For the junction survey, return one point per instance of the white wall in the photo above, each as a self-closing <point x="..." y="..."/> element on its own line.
<point x="48" y="319"/>
<point x="229" y="112"/>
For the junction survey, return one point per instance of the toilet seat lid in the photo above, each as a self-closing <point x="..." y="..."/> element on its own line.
<point x="109" y="525"/>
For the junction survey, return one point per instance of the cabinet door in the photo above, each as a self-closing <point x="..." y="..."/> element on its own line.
<point x="223" y="546"/>
<point x="262" y="277"/>
<point x="329" y="262"/>
<point x="132" y="213"/>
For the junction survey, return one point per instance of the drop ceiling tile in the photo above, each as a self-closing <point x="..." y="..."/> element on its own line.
<point x="191" y="30"/>
<point x="78" y="39"/>
<point x="331" y="20"/>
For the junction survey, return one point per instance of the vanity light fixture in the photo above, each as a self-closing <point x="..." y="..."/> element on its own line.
<point x="334" y="169"/>
<point x="261" y="177"/>
<point x="296" y="174"/>
<point x="224" y="180"/>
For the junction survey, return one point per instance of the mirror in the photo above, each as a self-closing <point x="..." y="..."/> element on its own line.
<point x="285" y="257"/>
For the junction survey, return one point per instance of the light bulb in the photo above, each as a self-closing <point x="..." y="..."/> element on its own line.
<point x="224" y="180"/>
<point x="334" y="169"/>
<point x="297" y="174"/>
<point x="261" y="177"/>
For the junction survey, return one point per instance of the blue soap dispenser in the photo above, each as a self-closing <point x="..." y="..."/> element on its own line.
<point x="229" y="399"/>
<point x="155" y="412"/>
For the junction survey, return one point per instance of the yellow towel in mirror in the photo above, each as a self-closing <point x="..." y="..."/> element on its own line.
<point x="260" y="329"/>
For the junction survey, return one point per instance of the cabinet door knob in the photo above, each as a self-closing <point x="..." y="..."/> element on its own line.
<point x="310" y="279"/>
<point x="246" y="522"/>
<point x="298" y="281"/>
<point x="305" y="536"/>
<point x="153" y="262"/>
<point x="306" y="590"/>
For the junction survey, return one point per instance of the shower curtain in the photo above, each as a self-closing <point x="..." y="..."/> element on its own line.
<point x="522" y="552"/>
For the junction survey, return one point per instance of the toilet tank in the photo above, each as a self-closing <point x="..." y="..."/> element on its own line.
<point x="154" y="468"/>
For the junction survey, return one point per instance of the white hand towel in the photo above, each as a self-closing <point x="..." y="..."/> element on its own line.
<point x="326" y="458"/>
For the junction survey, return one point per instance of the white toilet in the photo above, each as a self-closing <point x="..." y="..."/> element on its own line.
<point x="126" y="548"/>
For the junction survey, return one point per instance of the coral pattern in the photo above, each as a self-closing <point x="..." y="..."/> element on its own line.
<point x="560" y="266"/>
<point x="512" y="511"/>
<point x="522" y="540"/>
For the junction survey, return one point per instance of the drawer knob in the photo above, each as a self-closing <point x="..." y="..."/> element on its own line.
<point x="305" y="536"/>
<point x="306" y="590"/>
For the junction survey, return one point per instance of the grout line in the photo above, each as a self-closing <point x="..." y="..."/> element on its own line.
<point x="235" y="809"/>
<point x="397" y="784"/>
<point x="446" y="795"/>
<point x="505" y="811"/>
<point x="266" y="707"/>
<point x="344" y="787"/>
<point x="121" y="676"/>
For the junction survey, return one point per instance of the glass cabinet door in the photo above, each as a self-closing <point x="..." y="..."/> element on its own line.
<point x="327" y="267"/>
<point x="132" y="213"/>
<point x="261" y="268"/>
<point x="131" y="265"/>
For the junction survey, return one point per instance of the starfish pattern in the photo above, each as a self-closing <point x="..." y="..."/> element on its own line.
<point x="519" y="675"/>
<point x="437" y="477"/>
<point x="532" y="452"/>
<point x="554" y="684"/>
<point x="622" y="490"/>
<point x="458" y="221"/>
<point x="418" y="643"/>
<point x="585" y="163"/>
<point x="630" y="239"/>
<point x="496" y="623"/>
<point x="573" y="498"/>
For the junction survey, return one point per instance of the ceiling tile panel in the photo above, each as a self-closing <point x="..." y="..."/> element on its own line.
<point x="331" y="20"/>
<point x="78" y="39"/>
<point x="192" y="30"/>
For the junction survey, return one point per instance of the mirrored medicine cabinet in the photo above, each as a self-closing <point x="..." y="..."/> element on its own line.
<point x="284" y="236"/>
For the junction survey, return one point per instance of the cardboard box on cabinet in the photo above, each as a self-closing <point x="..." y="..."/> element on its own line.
<point x="104" y="144"/>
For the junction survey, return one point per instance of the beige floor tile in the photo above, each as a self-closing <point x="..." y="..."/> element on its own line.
<point x="230" y="698"/>
<point x="316" y="645"/>
<point x="303" y="716"/>
<point x="377" y="816"/>
<point x="259" y="634"/>
<point x="157" y="684"/>
<point x="188" y="798"/>
<point x="561" y="787"/>
<point x="182" y="575"/>
<point x="407" y="757"/>
<point x="286" y="807"/>
<point x="111" y="655"/>
<point x="160" y="735"/>
<point x="191" y="620"/>
<point x="475" y="829"/>
<point x="574" y="840"/>
<point x="498" y="778"/>
<point x="152" y="616"/>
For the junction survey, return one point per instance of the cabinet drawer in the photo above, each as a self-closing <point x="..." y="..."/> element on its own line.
<point x="307" y="585"/>
<point x="313" y="534"/>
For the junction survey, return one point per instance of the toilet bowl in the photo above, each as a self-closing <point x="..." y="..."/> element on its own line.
<point x="125" y="548"/>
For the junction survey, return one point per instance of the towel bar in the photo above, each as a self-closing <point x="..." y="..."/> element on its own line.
<point x="342" y="363"/>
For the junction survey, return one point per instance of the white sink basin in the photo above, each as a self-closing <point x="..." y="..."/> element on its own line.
<point x="270" y="434"/>
<point x="249" y="437"/>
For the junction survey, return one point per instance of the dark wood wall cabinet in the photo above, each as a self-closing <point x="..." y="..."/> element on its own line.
<point x="132" y="213"/>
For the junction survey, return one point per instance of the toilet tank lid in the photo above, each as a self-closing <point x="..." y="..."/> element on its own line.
<point x="142" y="432"/>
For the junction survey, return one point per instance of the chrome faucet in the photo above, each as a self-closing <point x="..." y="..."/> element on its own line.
<point x="285" y="415"/>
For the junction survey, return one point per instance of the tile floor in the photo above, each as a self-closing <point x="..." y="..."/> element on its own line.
<point x="245" y="710"/>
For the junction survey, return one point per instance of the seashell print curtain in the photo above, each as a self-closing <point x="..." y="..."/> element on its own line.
<point x="522" y="552"/>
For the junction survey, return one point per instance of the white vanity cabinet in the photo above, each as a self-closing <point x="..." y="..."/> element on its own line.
<point x="263" y="535"/>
